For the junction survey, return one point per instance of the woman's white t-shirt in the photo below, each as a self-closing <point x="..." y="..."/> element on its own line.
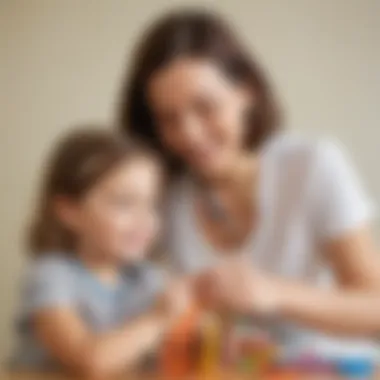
<point x="309" y="193"/>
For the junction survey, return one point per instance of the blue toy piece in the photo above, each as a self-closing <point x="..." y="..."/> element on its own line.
<point x="360" y="368"/>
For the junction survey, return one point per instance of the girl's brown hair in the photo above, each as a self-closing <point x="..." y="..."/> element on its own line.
<point x="79" y="161"/>
<point x="194" y="33"/>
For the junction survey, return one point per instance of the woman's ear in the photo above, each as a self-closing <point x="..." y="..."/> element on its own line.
<point x="67" y="211"/>
<point x="248" y="97"/>
<point x="247" y="104"/>
<point x="247" y="100"/>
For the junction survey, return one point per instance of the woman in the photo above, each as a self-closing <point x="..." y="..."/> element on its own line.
<point x="247" y="193"/>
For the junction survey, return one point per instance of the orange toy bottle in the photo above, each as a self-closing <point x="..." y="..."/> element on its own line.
<point x="177" y="359"/>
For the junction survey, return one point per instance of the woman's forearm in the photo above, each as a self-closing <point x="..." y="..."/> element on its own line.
<point x="340" y="311"/>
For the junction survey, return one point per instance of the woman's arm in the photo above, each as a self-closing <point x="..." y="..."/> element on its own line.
<point x="340" y="211"/>
<point x="96" y="356"/>
<point x="354" y="305"/>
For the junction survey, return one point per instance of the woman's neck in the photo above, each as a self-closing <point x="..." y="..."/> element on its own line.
<point x="227" y="207"/>
<point x="239" y="176"/>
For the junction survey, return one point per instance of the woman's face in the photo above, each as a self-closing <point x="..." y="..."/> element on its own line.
<point x="200" y="114"/>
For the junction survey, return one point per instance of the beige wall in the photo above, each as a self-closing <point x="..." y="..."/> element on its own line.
<point x="61" y="61"/>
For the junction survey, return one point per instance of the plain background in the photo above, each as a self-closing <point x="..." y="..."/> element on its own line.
<point x="61" y="62"/>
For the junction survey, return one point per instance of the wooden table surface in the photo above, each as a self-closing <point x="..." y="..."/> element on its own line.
<point x="231" y="376"/>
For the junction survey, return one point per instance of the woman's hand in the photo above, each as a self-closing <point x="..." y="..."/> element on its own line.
<point x="237" y="286"/>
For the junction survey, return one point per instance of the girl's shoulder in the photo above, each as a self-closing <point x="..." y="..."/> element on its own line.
<point x="50" y="266"/>
<point x="146" y="276"/>
<point x="53" y="259"/>
<point x="48" y="281"/>
<point x="151" y="272"/>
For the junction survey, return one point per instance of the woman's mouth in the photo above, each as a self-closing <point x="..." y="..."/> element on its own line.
<point x="204" y="156"/>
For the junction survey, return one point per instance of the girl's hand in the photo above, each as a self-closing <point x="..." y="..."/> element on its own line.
<point x="236" y="286"/>
<point x="176" y="299"/>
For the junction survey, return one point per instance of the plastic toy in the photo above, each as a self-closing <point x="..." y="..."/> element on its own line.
<point x="211" y="346"/>
<point x="179" y="353"/>
<point x="358" y="368"/>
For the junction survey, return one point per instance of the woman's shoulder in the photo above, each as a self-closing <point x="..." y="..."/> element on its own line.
<point x="306" y="151"/>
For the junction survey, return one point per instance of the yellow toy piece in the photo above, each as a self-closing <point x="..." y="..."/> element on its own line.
<point x="210" y="357"/>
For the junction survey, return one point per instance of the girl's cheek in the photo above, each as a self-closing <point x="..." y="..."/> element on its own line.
<point x="151" y="227"/>
<point x="156" y="226"/>
<point x="111" y="221"/>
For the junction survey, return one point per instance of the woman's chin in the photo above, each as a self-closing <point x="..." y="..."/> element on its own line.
<point x="213" y="170"/>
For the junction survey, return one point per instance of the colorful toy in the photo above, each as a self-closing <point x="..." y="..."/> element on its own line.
<point x="179" y="353"/>
<point x="306" y="363"/>
<point x="211" y="346"/>
<point x="358" y="368"/>
<point x="250" y="349"/>
<point x="284" y="375"/>
<point x="204" y="345"/>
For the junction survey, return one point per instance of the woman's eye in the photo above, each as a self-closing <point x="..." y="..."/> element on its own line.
<point x="168" y="120"/>
<point x="205" y="107"/>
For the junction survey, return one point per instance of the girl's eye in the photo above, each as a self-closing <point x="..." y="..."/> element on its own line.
<point x="129" y="203"/>
<point x="122" y="202"/>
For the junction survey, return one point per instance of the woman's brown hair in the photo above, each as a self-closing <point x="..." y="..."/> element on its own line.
<point x="193" y="33"/>
<point x="77" y="163"/>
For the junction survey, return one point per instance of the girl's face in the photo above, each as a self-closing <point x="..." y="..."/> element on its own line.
<point x="200" y="114"/>
<point x="119" y="215"/>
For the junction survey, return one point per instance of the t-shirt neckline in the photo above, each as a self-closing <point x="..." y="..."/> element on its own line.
<point x="252" y="241"/>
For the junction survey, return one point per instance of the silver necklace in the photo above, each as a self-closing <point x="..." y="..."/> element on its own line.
<point x="216" y="210"/>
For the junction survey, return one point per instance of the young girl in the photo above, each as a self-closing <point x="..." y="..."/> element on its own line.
<point x="89" y="298"/>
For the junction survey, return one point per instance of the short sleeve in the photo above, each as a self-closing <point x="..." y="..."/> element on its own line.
<point x="48" y="282"/>
<point x="342" y="203"/>
<point x="154" y="278"/>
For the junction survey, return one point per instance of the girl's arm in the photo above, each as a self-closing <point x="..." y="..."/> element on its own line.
<point x="97" y="356"/>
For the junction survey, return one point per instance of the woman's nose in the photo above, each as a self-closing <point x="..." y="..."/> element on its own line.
<point x="191" y="130"/>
